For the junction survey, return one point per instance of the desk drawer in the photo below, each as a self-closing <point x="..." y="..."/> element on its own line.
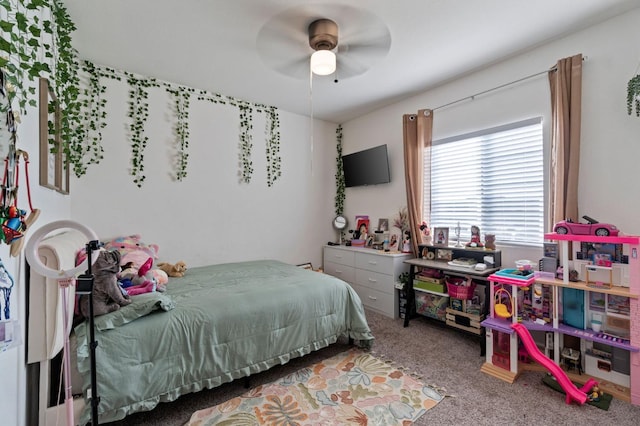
<point x="376" y="300"/>
<point x="373" y="262"/>
<point x="374" y="280"/>
<point x="343" y="257"/>
<point x="344" y="272"/>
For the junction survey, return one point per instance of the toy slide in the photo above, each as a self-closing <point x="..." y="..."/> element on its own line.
<point x="572" y="392"/>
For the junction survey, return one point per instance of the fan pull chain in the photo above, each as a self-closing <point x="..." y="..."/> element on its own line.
<point x="311" y="113"/>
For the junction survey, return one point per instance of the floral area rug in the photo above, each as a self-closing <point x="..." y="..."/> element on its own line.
<point x="351" y="388"/>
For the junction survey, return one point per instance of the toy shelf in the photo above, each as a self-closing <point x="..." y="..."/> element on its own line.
<point x="597" y="337"/>
<point x="504" y="326"/>
<point x="582" y="285"/>
<point x="431" y="292"/>
<point x="620" y="239"/>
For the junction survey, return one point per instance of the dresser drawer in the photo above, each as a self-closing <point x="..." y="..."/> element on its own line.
<point x="374" y="262"/>
<point x="374" y="280"/>
<point x="344" y="272"/>
<point x="381" y="302"/>
<point x="335" y="255"/>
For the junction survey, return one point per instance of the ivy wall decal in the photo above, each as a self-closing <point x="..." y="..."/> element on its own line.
<point x="66" y="85"/>
<point x="246" y="145"/>
<point x="139" y="113"/>
<point x="24" y="39"/>
<point x="273" y="146"/>
<point x="33" y="46"/>
<point x="339" y="200"/>
<point x="94" y="119"/>
<point x="182" y="100"/>
<point x="633" y="94"/>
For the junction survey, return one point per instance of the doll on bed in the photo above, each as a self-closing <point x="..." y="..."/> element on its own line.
<point x="136" y="281"/>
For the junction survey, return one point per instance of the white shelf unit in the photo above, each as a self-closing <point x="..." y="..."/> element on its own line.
<point x="559" y="330"/>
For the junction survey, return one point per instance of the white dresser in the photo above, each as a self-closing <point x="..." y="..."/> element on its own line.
<point x="371" y="273"/>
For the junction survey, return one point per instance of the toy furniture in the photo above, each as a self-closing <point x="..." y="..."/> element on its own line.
<point x="608" y="332"/>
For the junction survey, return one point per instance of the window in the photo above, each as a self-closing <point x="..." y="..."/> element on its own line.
<point x="493" y="179"/>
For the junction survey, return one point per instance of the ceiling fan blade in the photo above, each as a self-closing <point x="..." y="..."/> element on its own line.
<point x="346" y="68"/>
<point x="283" y="42"/>
<point x="297" y="68"/>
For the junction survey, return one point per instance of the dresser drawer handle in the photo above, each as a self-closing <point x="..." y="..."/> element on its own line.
<point x="373" y="262"/>
<point x="373" y="298"/>
<point x="337" y="256"/>
<point x="338" y="271"/>
<point x="371" y="280"/>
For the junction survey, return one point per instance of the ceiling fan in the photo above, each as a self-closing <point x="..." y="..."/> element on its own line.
<point x="300" y="37"/>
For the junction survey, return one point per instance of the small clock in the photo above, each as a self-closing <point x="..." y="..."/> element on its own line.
<point x="340" y="222"/>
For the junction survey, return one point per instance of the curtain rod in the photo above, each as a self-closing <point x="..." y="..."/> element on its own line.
<point x="584" y="58"/>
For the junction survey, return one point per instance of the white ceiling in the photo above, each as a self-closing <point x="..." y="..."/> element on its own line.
<point x="219" y="45"/>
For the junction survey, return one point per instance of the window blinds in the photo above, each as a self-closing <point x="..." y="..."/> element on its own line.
<point x="492" y="179"/>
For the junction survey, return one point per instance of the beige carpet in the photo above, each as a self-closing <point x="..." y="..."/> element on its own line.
<point x="351" y="388"/>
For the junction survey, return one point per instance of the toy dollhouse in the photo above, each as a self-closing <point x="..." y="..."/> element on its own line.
<point x="584" y="331"/>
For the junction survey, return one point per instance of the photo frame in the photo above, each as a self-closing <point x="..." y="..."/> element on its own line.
<point x="393" y="242"/>
<point x="305" y="266"/>
<point x="54" y="170"/>
<point x="383" y="225"/>
<point x="362" y="227"/>
<point x="441" y="236"/>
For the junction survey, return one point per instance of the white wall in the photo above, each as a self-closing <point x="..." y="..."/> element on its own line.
<point x="610" y="150"/>
<point x="210" y="217"/>
<point x="52" y="206"/>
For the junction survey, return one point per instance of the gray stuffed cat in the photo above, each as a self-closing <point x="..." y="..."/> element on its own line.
<point x="107" y="295"/>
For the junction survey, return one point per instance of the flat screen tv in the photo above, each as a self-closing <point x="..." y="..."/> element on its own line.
<point x="368" y="167"/>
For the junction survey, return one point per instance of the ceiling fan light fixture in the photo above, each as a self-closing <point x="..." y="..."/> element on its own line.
<point x="323" y="62"/>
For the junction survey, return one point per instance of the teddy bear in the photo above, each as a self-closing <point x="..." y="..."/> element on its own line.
<point x="107" y="294"/>
<point x="490" y="241"/>
<point x="176" y="271"/>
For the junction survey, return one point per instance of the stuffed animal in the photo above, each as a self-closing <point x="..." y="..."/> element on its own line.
<point x="125" y="245"/>
<point x="490" y="241"/>
<point x="142" y="279"/>
<point x="107" y="294"/>
<point x="133" y="261"/>
<point x="176" y="271"/>
<point x="130" y="243"/>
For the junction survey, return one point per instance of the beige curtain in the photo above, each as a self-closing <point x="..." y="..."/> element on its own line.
<point x="417" y="132"/>
<point x="565" y="81"/>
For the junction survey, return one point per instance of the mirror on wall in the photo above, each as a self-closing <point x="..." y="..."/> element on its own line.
<point x="54" y="170"/>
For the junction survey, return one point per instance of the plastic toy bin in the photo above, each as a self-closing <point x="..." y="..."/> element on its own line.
<point x="458" y="291"/>
<point x="431" y="305"/>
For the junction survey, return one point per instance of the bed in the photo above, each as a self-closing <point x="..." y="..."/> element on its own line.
<point x="217" y="324"/>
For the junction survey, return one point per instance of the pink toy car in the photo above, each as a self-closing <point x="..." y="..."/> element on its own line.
<point x="592" y="228"/>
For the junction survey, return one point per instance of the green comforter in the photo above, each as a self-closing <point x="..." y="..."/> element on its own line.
<point x="216" y="324"/>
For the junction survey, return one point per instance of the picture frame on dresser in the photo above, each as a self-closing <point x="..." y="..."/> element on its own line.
<point x="393" y="242"/>
<point x="441" y="236"/>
